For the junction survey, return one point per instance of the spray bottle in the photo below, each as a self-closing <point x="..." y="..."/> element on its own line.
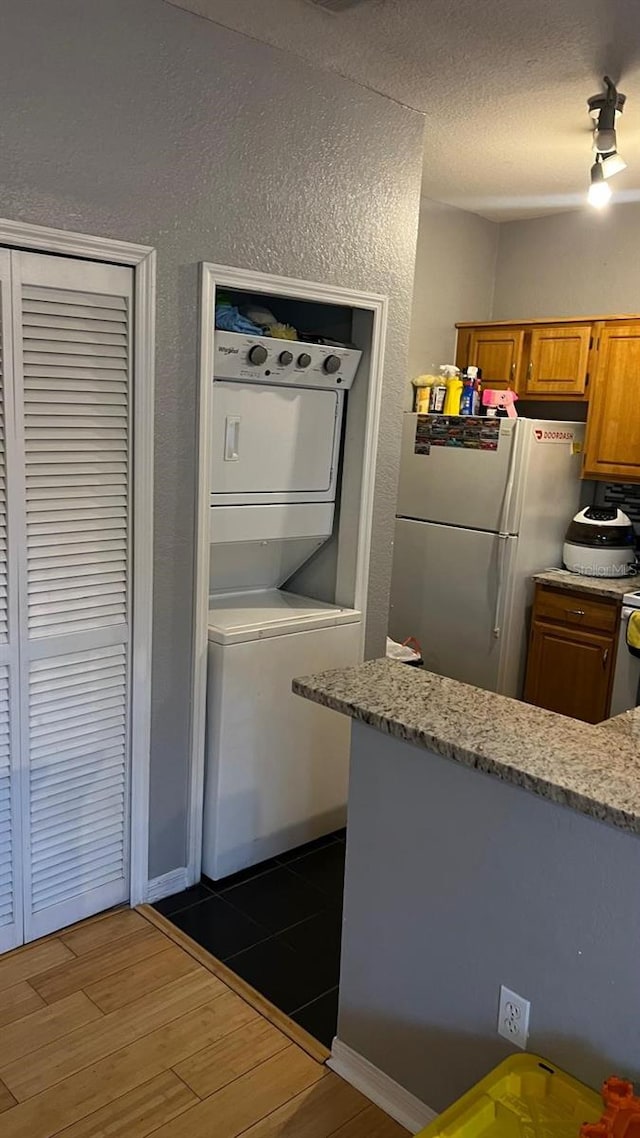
<point x="470" y="404"/>
<point x="454" y="389"/>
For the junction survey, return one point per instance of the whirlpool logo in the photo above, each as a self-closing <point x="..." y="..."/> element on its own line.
<point x="228" y="351"/>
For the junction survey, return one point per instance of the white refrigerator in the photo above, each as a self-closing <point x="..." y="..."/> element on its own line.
<point x="482" y="505"/>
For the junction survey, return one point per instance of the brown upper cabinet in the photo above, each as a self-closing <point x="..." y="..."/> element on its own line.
<point x="538" y="361"/>
<point x="558" y="361"/>
<point x="498" y="351"/>
<point x="612" y="446"/>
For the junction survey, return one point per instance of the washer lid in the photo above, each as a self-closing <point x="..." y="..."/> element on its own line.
<point x="240" y="617"/>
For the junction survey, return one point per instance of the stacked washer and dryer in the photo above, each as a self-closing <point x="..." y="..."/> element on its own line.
<point x="276" y="766"/>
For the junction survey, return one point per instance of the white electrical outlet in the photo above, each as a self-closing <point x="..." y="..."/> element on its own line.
<point x="513" y="1017"/>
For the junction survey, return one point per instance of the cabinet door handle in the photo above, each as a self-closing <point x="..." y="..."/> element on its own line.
<point x="605" y="657"/>
<point x="530" y="369"/>
<point x="575" y="612"/>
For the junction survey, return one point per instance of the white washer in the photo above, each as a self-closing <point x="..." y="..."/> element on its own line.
<point x="626" y="678"/>
<point x="276" y="765"/>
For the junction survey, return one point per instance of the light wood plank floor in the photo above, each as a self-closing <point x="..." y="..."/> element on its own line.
<point x="111" y="1028"/>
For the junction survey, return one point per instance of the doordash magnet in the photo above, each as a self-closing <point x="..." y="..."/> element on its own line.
<point x="564" y="435"/>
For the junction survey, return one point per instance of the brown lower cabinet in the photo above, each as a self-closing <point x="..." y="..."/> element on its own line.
<point x="572" y="654"/>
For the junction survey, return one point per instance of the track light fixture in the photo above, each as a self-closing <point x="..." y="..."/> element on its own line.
<point x="604" y="110"/>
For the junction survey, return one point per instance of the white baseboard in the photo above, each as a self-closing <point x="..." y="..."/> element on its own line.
<point x="173" y="882"/>
<point x="380" y="1088"/>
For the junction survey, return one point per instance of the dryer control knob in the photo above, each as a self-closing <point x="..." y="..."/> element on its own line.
<point x="257" y="354"/>
<point x="285" y="358"/>
<point x="304" y="360"/>
<point x="332" y="364"/>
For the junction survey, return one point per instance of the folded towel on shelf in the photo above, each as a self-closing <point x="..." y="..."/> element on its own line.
<point x="229" y="319"/>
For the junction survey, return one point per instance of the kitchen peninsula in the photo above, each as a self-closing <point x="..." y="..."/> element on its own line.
<point x="489" y="842"/>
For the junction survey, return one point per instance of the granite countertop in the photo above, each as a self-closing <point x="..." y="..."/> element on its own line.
<point x="592" y="769"/>
<point x="612" y="587"/>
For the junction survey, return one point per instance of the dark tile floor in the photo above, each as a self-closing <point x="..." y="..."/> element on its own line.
<point x="278" y="925"/>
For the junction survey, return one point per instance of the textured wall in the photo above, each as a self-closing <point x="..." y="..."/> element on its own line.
<point x="457" y="883"/>
<point x="139" y="121"/>
<point x="455" y="267"/>
<point x="571" y="264"/>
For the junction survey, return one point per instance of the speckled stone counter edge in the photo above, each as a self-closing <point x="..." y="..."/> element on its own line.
<point x="594" y="770"/>
<point x="613" y="588"/>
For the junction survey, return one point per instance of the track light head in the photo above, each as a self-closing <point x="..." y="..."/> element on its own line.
<point x="604" y="140"/>
<point x="599" y="190"/>
<point x="612" y="164"/>
<point x="604" y="109"/>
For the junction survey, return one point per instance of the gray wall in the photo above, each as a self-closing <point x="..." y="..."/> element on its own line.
<point x="570" y="264"/>
<point x="580" y="263"/>
<point x="457" y="883"/>
<point x="454" y="280"/>
<point x="139" y="121"/>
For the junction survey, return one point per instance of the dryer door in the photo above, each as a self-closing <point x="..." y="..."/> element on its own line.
<point x="273" y="444"/>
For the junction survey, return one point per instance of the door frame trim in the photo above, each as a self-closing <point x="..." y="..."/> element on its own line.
<point x="142" y="258"/>
<point x="214" y="276"/>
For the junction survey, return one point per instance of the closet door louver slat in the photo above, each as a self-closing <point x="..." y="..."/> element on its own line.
<point x="11" y="922"/>
<point x="73" y="354"/>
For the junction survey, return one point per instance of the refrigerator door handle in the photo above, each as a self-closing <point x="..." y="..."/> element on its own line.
<point x="502" y="553"/>
<point x="505" y="520"/>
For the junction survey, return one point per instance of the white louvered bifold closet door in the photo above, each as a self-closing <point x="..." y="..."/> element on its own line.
<point x="72" y="348"/>
<point x="11" y="927"/>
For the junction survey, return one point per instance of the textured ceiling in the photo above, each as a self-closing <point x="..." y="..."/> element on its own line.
<point x="503" y="85"/>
